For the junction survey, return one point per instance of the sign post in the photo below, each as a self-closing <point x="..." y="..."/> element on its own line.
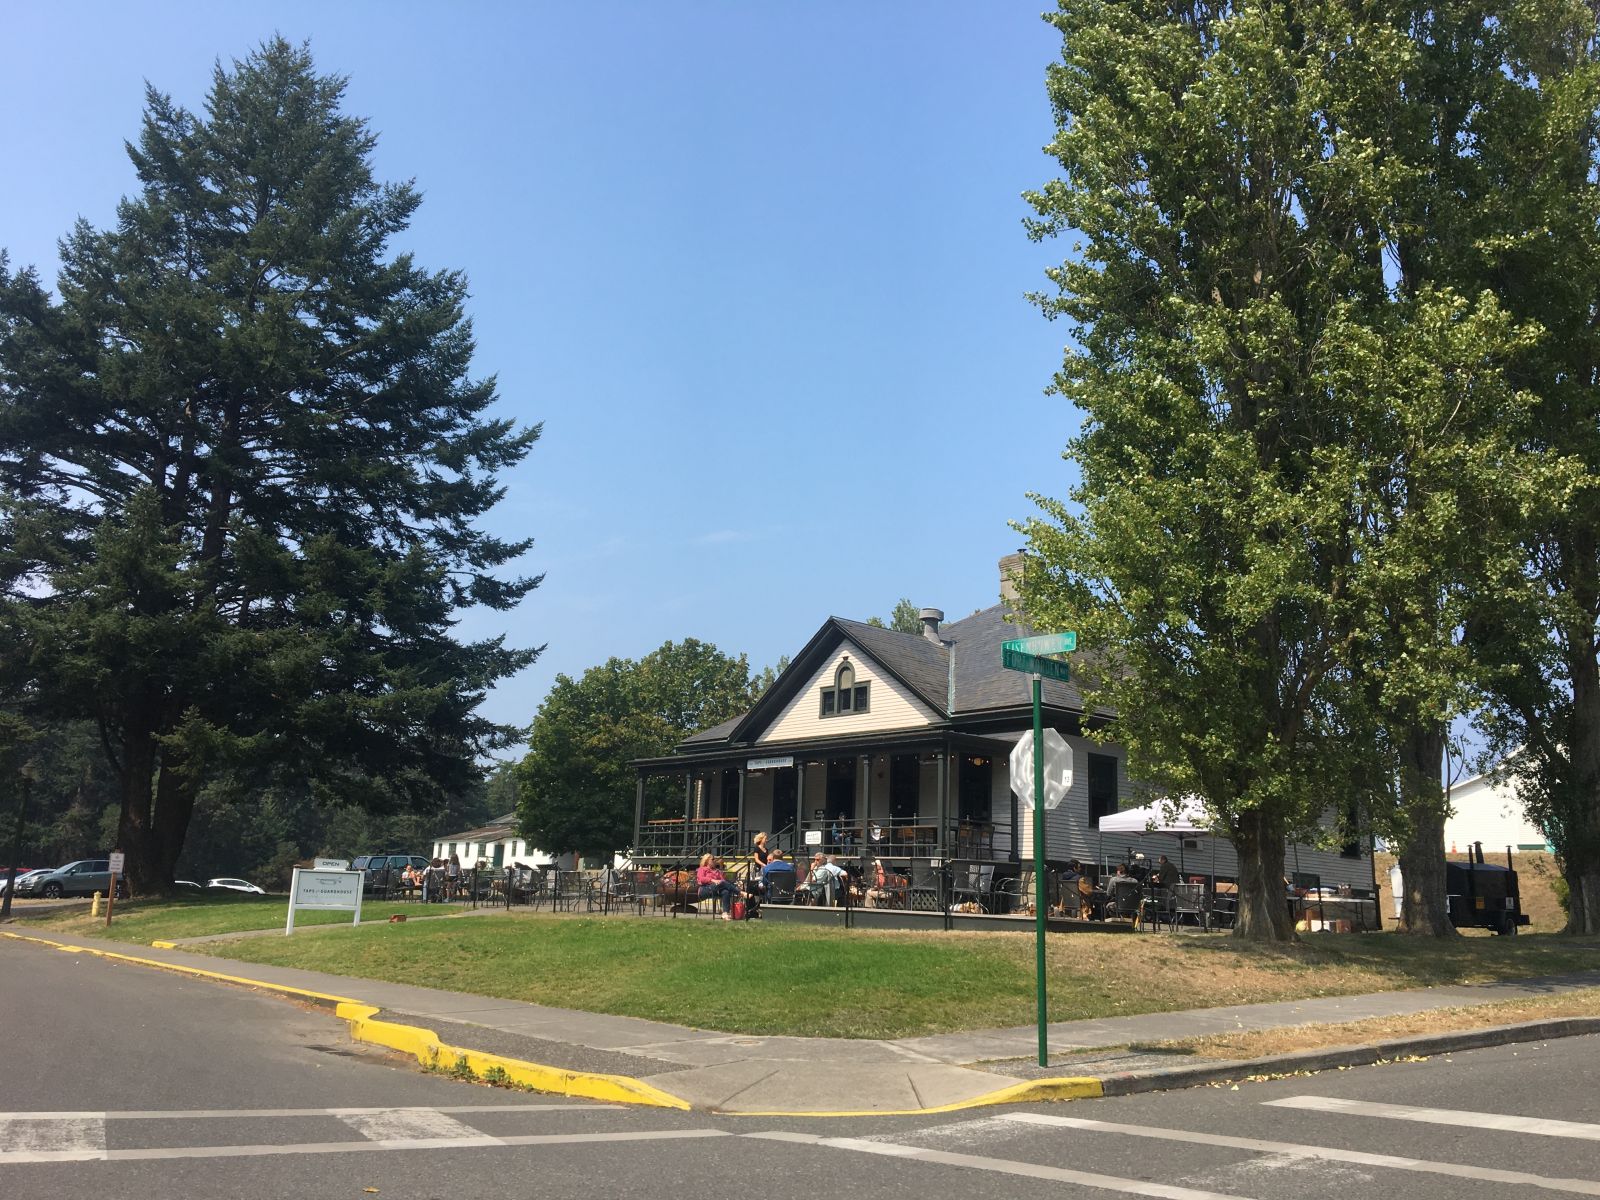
<point x="1027" y="654"/>
<point x="119" y="860"/>
<point x="323" y="890"/>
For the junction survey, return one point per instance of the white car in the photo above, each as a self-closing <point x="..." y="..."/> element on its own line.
<point x="5" y="876"/>
<point x="236" y="885"/>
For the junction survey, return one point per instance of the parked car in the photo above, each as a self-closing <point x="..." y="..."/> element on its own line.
<point x="235" y="885"/>
<point x="82" y="878"/>
<point x="187" y="885"/>
<point x="23" y="873"/>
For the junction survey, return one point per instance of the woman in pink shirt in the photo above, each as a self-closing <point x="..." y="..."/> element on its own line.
<point x="713" y="882"/>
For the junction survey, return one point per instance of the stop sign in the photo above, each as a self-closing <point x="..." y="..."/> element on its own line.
<point x="1057" y="768"/>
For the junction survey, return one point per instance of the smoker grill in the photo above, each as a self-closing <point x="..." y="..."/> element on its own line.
<point x="1483" y="895"/>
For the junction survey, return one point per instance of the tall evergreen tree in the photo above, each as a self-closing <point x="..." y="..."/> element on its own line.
<point x="241" y="461"/>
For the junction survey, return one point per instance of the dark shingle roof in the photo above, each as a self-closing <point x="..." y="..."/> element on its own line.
<point x="921" y="664"/>
<point x="715" y="734"/>
<point x="981" y="682"/>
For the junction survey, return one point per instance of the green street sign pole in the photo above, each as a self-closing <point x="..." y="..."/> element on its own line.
<point x="1028" y="654"/>
<point x="1041" y="896"/>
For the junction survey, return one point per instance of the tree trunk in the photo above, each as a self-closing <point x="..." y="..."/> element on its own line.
<point x="174" y="808"/>
<point x="134" y="834"/>
<point x="1263" y="901"/>
<point x="1578" y="834"/>
<point x="1424" y="909"/>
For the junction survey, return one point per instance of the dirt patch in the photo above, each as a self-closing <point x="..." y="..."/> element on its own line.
<point x="1240" y="1046"/>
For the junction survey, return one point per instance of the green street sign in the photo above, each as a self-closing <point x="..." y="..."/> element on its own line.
<point x="1049" y="643"/>
<point x="1032" y="664"/>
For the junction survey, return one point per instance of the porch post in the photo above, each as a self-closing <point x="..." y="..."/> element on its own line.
<point x="944" y="795"/>
<point x="688" y="808"/>
<point x="864" y="790"/>
<point x="799" y="796"/>
<point x="638" y="810"/>
<point x="740" y="813"/>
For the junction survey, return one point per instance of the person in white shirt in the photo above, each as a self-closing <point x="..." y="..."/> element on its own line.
<point x="824" y="878"/>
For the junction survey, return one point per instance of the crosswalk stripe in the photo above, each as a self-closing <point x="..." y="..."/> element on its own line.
<point x="1580" y="1187"/>
<point x="200" y="1114"/>
<point x="415" y="1125"/>
<point x="80" y="1139"/>
<point x="1002" y="1166"/>
<point x="1444" y="1116"/>
<point x="536" y="1139"/>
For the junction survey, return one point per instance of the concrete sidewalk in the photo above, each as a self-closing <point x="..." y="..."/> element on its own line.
<point x="750" y="1074"/>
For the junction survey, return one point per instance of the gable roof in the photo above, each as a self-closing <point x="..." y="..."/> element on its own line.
<point x="496" y="829"/>
<point x="917" y="663"/>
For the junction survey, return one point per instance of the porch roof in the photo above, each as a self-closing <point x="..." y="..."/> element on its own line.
<point x="727" y="755"/>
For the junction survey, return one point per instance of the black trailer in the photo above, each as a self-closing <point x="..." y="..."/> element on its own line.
<point x="1483" y="895"/>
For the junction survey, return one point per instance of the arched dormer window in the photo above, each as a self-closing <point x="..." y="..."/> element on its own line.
<point x="846" y="695"/>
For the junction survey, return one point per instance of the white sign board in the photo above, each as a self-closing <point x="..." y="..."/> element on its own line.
<point x="338" y="890"/>
<point x="118" y="861"/>
<point x="331" y="864"/>
<point x="1057" y="768"/>
<point x="813" y="837"/>
<point x="766" y="764"/>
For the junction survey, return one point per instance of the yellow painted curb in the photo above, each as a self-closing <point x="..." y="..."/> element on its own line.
<point x="1033" y="1091"/>
<point x="422" y="1044"/>
<point x="301" y="993"/>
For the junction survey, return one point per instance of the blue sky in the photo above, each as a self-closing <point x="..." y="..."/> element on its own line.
<point x="759" y="269"/>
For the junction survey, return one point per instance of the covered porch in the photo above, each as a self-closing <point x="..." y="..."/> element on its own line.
<point x="920" y="799"/>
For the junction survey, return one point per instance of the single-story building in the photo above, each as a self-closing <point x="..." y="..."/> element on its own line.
<point x="896" y="745"/>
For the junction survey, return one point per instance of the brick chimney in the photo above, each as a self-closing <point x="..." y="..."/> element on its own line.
<point x="1011" y="569"/>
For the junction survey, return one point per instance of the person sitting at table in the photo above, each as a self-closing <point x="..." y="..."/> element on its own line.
<point x="823" y="879"/>
<point x="886" y="890"/>
<point x="1122" y="890"/>
<point x="1091" y="901"/>
<point x="713" y="882"/>
<point x="1166" y="872"/>
<point x="780" y="867"/>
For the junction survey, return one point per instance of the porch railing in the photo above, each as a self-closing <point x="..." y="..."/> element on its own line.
<point x="676" y="838"/>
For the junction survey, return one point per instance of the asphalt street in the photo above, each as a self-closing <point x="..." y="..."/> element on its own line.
<point x="128" y="1082"/>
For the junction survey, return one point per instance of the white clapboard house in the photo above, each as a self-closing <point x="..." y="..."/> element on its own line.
<point x="895" y="745"/>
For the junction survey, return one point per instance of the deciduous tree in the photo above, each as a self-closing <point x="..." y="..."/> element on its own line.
<point x="578" y="788"/>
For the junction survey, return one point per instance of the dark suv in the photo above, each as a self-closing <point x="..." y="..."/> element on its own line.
<point x="383" y="871"/>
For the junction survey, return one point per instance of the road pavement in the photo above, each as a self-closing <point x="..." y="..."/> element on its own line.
<point x="121" y="1081"/>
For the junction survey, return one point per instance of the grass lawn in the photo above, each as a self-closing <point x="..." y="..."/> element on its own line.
<point x="143" y="921"/>
<point x="769" y="978"/>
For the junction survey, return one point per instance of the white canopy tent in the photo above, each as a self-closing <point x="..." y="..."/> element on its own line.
<point x="1183" y="816"/>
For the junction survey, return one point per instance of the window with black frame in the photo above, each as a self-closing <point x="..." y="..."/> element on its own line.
<point x="1102" y="787"/>
<point x="846" y="696"/>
